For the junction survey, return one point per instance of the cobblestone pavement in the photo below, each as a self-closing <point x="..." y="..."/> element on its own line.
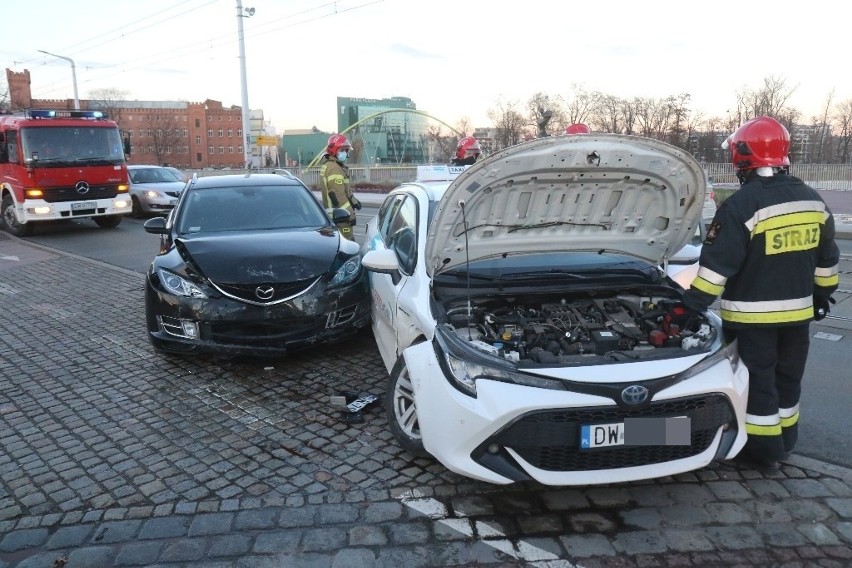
<point x="111" y="455"/>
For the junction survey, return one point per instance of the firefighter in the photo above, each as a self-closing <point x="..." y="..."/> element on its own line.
<point x="467" y="152"/>
<point x="770" y="253"/>
<point x="578" y="128"/>
<point x="334" y="181"/>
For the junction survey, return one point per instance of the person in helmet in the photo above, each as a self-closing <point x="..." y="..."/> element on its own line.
<point x="467" y="152"/>
<point x="578" y="128"/>
<point x="770" y="252"/>
<point x="334" y="182"/>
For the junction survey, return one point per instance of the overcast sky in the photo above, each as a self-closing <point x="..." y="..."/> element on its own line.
<point x="454" y="58"/>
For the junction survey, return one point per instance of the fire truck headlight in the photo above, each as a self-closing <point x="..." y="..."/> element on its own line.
<point x="43" y="210"/>
<point x="122" y="188"/>
<point x="122" y="204"/>
<point x="35" y="193"/>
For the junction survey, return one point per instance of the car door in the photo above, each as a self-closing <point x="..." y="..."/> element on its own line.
<point x="397" y="227"/>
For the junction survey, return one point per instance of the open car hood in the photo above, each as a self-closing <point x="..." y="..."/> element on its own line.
<point x="568" y="193"/>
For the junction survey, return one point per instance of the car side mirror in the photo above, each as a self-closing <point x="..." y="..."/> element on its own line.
<point x="384" y="262"/>
<point x="156" y="226"/>
<point x="339" y="215"/>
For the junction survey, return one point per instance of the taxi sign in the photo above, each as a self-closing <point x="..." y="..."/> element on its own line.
<point x="439" y="173"/>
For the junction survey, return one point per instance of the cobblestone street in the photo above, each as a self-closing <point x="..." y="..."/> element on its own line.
<point x="112" y="455"/>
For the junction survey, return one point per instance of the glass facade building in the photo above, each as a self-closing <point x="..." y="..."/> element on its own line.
<point x="384" y="133"/>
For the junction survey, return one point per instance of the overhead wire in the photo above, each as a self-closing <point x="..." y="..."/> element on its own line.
<point x="210" y="43"/>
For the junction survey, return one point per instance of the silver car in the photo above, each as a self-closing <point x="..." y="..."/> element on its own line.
<point x="153" y="189"/>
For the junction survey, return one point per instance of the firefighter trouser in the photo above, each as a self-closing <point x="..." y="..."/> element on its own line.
<point x="775" y="358"/>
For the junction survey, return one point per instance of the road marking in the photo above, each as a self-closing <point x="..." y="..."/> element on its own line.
<point x="12" y="257"/>
<point x="520" y="550"/>
<point x="828" y="336"/>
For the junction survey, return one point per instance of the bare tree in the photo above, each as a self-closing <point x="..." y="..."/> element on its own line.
<point x="770" y="100"/>
<point x="111" y="101"/>
<point x="464" y="126"/>
<point x="166" y="139"/>
<point x="843" y="120"/>
<point x="4" y="95"/>
<point x="582" y="105"/>
<point x="547" y="110"/>
<point x="508" y="121"/>
<point x="439" y="143"/>
<point x="822" y="127"/>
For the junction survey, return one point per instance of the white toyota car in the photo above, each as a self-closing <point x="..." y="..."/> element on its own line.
<point x="524" y="312"/>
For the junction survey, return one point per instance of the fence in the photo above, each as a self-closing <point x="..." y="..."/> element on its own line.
<point x="819" y="176"/>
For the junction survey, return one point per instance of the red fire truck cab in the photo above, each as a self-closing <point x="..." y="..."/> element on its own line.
<point x="60" y="164"/>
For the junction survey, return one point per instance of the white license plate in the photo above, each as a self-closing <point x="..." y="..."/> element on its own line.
<point x="601" y="435"/>
<point x="83" y="205"/>
<point x="654" y="431"/>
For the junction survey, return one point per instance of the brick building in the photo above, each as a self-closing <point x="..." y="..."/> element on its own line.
<point x="178" y="133"/>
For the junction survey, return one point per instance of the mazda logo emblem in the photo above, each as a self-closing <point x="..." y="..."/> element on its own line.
<point x="264" y="292"/>
<point x="634" y="394"/>
<point x="82" y="187"/>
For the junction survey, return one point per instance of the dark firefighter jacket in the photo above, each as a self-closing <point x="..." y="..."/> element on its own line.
<point x="768" y="252"/>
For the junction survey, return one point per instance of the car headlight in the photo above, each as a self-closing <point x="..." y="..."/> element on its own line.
<point x="464" y="365"/>
<point x="347" y="273"/>
<point x="151" y="194"/>
<point x="728" y="352"/>
<point x="178" y="285"/>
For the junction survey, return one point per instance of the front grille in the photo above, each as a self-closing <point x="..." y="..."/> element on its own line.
<point x="69" y="193"/>
<point x="282" y="291"/>
<point x="265" y="334"/>
<point x="550" y="440"/>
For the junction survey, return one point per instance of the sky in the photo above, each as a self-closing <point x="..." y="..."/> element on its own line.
<point x="454" y="59"/>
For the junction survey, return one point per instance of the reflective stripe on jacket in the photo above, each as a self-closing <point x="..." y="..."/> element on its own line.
<point x="769" y="250"/>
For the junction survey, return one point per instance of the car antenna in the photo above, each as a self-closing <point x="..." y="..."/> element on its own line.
<point x="467" y="267"/>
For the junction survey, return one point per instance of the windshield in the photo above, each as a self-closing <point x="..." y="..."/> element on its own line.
<point x="248" y="209"/>
<point x="57" y="146"/>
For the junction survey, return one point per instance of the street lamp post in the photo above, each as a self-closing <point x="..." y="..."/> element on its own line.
<point x="73" y="75"/>
<point x="247" y="13"/>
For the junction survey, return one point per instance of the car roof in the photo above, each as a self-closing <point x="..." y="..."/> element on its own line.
<point x="244" y="180"/>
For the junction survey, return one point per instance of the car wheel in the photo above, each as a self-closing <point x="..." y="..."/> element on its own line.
<point x="137" y="208"/>
<point x="401" y="410"/>
<point x="10" y="220"/>
<point x="108" y="221"/>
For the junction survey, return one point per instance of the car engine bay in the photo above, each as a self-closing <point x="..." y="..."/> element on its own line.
<point x="558" y="331"/>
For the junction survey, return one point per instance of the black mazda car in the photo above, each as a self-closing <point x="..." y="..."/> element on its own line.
<point x="252" y="264"/>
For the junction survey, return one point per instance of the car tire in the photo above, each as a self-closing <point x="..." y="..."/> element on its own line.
<point x="10" y="220"/>
<point x="401" y="410"/>
<point x="108" y="221"/>
<point x="136" y="212"/>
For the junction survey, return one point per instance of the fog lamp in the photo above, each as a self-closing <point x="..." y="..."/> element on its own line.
<point x="190" y="329"/>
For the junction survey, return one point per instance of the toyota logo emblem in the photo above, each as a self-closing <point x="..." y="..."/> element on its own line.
<point x="82" y="187"/>
<point x="634" y="394"/>
<point x="264" y="292"/>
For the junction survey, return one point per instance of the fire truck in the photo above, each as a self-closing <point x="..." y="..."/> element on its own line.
<point x="61" y="164"/>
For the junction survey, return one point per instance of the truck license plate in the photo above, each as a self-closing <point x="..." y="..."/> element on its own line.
<point x="80" y="205"/>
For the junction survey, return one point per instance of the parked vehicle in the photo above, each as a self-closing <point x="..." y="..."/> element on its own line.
<point x="529" y="328"/>
<point x="154" y="189"/>
<point x="57" y="164"/>
<point x="252" y="264"/>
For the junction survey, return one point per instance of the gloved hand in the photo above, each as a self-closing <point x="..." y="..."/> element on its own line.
<point x="355" y="202"/>
<point x="822" y="307"/>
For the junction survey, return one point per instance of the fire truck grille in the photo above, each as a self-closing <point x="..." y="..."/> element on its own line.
<point x="70" y="193"/>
